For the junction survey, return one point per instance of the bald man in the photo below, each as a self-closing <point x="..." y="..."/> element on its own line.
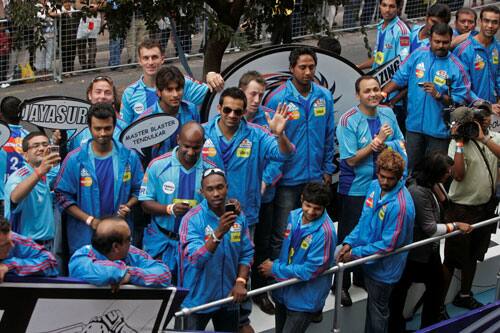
<point x="111" y="260"/>
<point x="169" y="189"/>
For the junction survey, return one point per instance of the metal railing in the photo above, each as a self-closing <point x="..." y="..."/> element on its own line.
<point x="339" y="268"/>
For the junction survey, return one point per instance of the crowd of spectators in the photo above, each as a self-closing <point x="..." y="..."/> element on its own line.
<point x="245" y="196"/>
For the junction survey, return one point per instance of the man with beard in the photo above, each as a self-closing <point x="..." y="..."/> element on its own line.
<point x="429" y="73"/>
<point x="98" y="179"/>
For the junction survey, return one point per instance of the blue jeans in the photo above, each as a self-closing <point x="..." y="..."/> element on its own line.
<point x="115" y="51"/>
<point x="418" y="145"/>
<point x="288" y="321"/>
<point x="377" y="306"/>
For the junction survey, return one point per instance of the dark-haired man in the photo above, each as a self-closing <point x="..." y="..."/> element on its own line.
<point x="437" y="13"/>
<point x="429" y="73"/>
<point x="21" y="256"/>
<point x="386" y="223"/>
<point x="111" y="260"/>
<point x="98" y="179"/>
<point x="28" y="204"/>
<point x="307" y="251"/>
<point x="216" y="255"/>
<point x="465" y="21"/>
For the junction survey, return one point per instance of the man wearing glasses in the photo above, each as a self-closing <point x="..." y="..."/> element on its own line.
<point x="111" y="260"/>
<point x="28" y="204"/>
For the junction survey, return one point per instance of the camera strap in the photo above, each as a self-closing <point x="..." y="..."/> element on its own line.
<point x="487" y="166"/>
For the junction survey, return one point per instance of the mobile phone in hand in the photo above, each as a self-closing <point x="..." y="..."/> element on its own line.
<point x="420" y="84"/>
<point x="54" y="149"/>
<point x="230" y="207"/>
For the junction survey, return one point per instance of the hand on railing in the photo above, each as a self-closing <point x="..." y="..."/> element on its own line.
<point x="344" y="254"/>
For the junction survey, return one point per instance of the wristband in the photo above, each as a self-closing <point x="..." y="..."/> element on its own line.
<point x="37" y="173"/>
<point x="89" y="220"/>
<point x="455" y="226"/>
<point x="459" y="150"/>
<point x="242" y="280"/>
<point x="215" y="239"/>
<point x="170" y="210"/>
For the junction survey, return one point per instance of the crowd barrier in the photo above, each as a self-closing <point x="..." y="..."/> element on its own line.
<point x="75" y="44"/>
<point x="339" y="269"/>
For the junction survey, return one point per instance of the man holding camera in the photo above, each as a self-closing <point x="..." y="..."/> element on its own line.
<point x="28" y="204"/>
<point x="476" y="151"/>
<point x="435" y="79"/>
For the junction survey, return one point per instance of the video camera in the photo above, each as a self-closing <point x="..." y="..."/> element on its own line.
<point x="468" y="118"/>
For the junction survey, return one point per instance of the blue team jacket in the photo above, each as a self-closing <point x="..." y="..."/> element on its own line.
<point x="385" y="225"/>
<point x="311" y="129"/>
<point x="95" y="268"/>
<point x="425" y="113"/>
<point x="252" y="147"/>
<point x="29" y="258"/>
<point x="481" y="63"/>
<point x="76" y="184"/>
<point x="305" y="254"/>
<point x="211" y="276"/>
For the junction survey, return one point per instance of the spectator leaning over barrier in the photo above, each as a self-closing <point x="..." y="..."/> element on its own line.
<point x="386" y="223"/>
<point x="363" y="132"/>
<point x="169" y="189"/>
<point x="429" y="74"/>
<point x="142" y="94"/>
<point x="45" y="52"/>
<point x="476" y="152"/>
<point x="465" y="21"/>
<point x="100" y="178"/>
<point x="307" y="251"/>
<point x="28" y="197"/>
<point x="169" y="88"/>
<point x="480" y="56"/>
<point x="437" y="13"/>
<point x="21" y="256"/>
<point x="112" y="260"/>
<point x="216" y="255"/>
<point x="310" y="128"/>
<point x="424" y="263"/>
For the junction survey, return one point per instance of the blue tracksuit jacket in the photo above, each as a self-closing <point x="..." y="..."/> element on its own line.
<point x="76" y="184"/>
<point x="307" y="251"/>
<point x="385" y="224"/>
<point x="211" y="276"/>
<point x="29" y="258"/>
<point x="250" y="149"/>
<point x="311" y="129"/>
<point x="481" y="63"/>
<point x="425" y="113"/>
<point x="95" y="268"/>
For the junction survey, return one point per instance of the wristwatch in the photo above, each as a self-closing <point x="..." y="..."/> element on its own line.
<point x="214" y="238"/>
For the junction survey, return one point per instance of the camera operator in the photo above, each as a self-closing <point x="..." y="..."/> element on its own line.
<point x="475" y="151"/>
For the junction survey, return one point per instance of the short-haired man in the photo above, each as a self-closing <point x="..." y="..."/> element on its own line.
<point x="98" y="179"/>
<point x="216" y="255"/>
<point x="169" y="189"/>
<point x="307" y="251"/>
<point x="169" y="88"/>
<point x="363" y="132"/>
<point x="21" y="256"/>
<point x="437" y="13"/>
<point x="480" y="54"/>
<point x="311" y="130"/>
<point x="429" y="73"/>
<point x="386" y="223"/>
<point x="28" y="204"/>
<point x="111" y="260"/>
<point x="465" y="21"/>
<point x="142" y="94"/>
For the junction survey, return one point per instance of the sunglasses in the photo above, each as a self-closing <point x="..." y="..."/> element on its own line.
<point x="228" y="110"/>
<point x="103" y="78"/>
<point x="213" y="171"/>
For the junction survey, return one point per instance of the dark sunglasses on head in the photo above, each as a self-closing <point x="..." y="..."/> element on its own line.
<point x="228" y="110"/>
<point x="213" y="171"/>
<point x="103" y="78"/>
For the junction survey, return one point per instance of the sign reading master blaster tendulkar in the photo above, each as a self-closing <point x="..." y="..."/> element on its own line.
<point x="149" y="131"/>
<point x="56" y="112"/>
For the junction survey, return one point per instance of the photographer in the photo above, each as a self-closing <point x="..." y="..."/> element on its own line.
<point x="475" y="151"/>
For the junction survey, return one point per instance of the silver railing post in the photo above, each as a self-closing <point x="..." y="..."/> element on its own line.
<point x="497" y="293"/>
<point x="57" y="67"/>
<point x="339" y="278"/>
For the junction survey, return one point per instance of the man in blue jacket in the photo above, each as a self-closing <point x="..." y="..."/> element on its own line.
<point x="419" y="36"/>
<point x="216" y="256"/>
<point x="242" y="149"/>
<point x="310" y="128"/>
<point x="22" y="256"/>
<point x="480" y="54"/>
<point x="98" y="179"/>
<point x="386" y="223"/>
<point x="111" y="260"/>
<point x="307" y="251"/>
<point x="169" y="88"/>
<point x="429" y="74"/>
<point x="169" y="189"/>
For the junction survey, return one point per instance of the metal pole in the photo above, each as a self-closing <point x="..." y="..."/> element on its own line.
<point x="497" y="293"/>
<point x="339" y="278"/>
<point x="133" y="41"/>
<point x="58" y="51"/>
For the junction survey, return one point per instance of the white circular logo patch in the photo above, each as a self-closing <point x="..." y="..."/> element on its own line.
<point x="168" y="187"/>
<point x="138" y="108"/>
